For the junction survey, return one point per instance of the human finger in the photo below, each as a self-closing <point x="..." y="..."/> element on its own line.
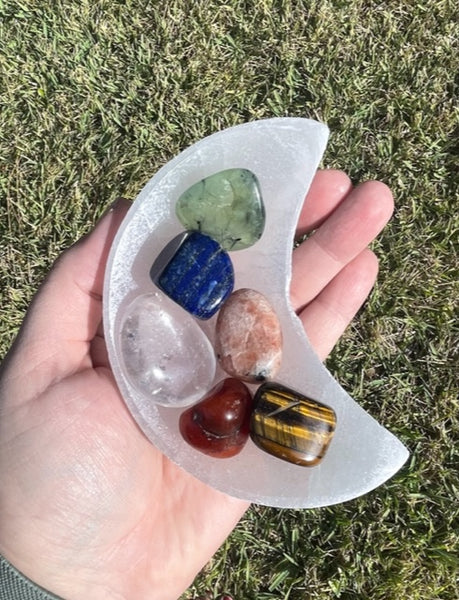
<point x="328" y="189"/>
<point x="349" y="229"/>
<point x="328" y="315"/>
<point x="66" y="311"/>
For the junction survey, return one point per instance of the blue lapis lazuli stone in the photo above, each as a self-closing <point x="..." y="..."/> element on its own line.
<point x="199" y="276"/>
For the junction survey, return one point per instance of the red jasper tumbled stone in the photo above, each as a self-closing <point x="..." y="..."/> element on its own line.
<point x="218" y="425"/>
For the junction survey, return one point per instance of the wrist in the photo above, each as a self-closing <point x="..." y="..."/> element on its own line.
<point x="38" y="579"/>
<point x="16" y="586"/>
<point x="51" y="580"/>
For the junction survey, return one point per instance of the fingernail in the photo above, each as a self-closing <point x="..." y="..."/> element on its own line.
<point x="119" y="202"/>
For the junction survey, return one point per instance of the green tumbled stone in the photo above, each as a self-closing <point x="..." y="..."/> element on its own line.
<point x="227" y="206"/>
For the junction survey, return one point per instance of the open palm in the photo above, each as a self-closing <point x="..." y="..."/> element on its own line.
<point x="89" y="508"/>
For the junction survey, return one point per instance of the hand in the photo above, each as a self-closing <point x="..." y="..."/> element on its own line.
<point x="89" y="509"/>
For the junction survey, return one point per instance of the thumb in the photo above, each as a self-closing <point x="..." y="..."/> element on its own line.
<point x="54" y="340"/>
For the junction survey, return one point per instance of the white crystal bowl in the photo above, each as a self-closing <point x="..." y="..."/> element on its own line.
<point x="284" y="154"/>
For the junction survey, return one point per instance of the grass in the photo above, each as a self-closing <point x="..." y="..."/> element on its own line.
<point x="96" y="95"/>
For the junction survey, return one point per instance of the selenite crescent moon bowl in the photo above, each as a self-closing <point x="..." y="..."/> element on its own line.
<point x="284" y="154"/>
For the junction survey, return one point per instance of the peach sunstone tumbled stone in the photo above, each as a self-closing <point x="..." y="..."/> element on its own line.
<point x="249" y="337"/>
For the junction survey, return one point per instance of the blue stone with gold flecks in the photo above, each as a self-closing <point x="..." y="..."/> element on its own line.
<point x="195" y="272"/>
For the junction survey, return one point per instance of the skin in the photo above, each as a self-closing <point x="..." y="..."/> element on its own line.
<point x="89" y="509"/>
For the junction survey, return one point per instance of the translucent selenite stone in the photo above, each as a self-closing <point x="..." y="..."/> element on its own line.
<point x="283" y="154"/>
<point x="157" y="340"/>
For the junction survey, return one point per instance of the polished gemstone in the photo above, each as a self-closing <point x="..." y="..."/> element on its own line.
<point x="156" y="342"/>
<point x="291" y="426"/>
<point x="228" y="206"/>
<point x="198" y="274"/>
<point x="218" y="425"/>
<point x="249" y="337"/>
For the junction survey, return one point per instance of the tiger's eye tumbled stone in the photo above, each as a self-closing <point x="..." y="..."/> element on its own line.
<point x="198" y="274"/>
<point x="290" y="426"/>
<point x="248" y="337"/>
<point x="227" y="206"/>
<point x="218" y="425"/>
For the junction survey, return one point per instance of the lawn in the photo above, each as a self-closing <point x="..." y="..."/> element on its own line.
<point x="96" y="95"/>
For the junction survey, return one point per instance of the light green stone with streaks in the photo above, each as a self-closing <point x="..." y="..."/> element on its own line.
<point x="227" y="206"/>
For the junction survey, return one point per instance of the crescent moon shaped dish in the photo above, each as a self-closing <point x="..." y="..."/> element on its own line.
<point x="160" y="350"/>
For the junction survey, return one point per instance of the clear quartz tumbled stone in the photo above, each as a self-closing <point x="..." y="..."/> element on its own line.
<point x="166" y="355"/>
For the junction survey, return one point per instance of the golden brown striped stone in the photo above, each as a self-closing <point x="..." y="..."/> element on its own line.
<point x="291" y="426"/>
